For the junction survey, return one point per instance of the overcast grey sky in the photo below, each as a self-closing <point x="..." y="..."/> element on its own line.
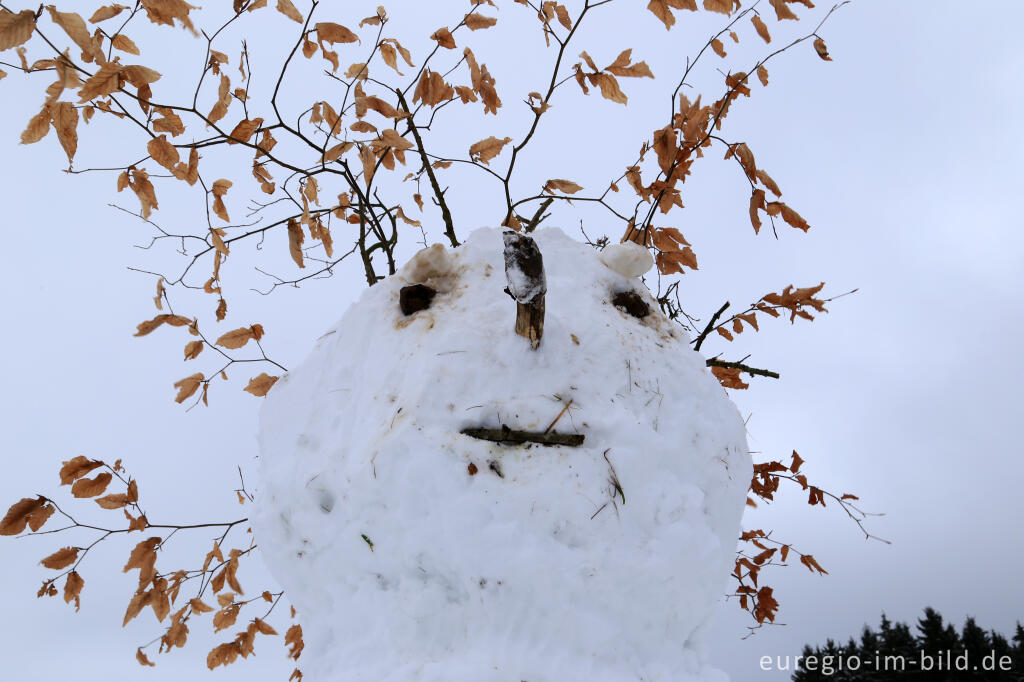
<point x="902" y="154"/>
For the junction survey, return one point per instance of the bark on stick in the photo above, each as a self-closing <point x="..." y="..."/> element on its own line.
<point x="524" y="271"/>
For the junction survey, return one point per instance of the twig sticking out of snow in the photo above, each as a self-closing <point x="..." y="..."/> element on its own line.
<point x="510" y="435"/>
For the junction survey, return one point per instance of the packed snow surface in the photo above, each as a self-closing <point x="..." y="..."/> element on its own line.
<point x="415" y="553"/>
<point x="628" y="259"/>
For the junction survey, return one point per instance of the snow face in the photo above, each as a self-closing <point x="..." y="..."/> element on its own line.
<point x="415" y="553"/>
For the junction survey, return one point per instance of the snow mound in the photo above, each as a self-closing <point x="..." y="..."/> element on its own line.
<point x="628" y="259"/>
<point x="415" y="553"/>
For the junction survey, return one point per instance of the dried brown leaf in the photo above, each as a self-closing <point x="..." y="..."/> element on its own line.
<point x="65" y="122"/>
<point x="219" y="189"/>
<point x="223" y="654"/>
<point x="19" y="515"/>
<point x="134" y="523"/>
<point x="39" y="516"/>
<point x="444" y="38"/>
<point x="75" y="27"/>
<point x="245" y="129"/>
<point x="138" y="602"/>
<point x="295" y="239"/>
<point x="767" y="181"/>
<point x="720" y="6"/>
<point x="761" y="28"/>
<point x="166" y="11"/>
<point x="76" y="467"/>
<point x="669" y="239"/>
<point x="73" y="589"/>
<point x="567" y="186"/>
<point x="622" y="66"/>
<point x="264" y="628"/>
<point x="670" y="262"/>
<point x="149" y="325"/>
<point x="193" y="349"/>
<point x="286" y="8"/>
<point x="789" y="215"/>
<point x="328" y="32"/>
<point x="106" y="12"/>
<point x="139" y="76"/>
<point x="236" y="338"/>
<point x="114" y="501"/>
<point x="62" y="558"/>
<point x="199" y="607"/>
<point x="144" y="190"/>
<point x="225" y="618"/>
<point x="821" y="49"/>
<point x="665" y="147"/>
<point x="38" y="126"/>
<point x="487" y="149"/>
<point x="782" y="10"/>
<point x="293" y="639"/>
<point x="662" y="9"/>
<point x="187" y="386"/>
<point x="163" y="152"/>
<point x="390" y="56"/>
<point x="125" y="44"/>
<point x="143" y="557"/>
<point x="220" y="109"/>
<point x="432" y="89"/>
<point x="476" y="22"/>
<point x="757" y="201"/>
<point x="90" y="487"/>
<point x="729" y="377"/>
<point x="104" y="82"/>
<point x="762" y="75"/>
<point x="609" y="87"/>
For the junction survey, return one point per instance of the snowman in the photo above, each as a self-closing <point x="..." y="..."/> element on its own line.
<point x="461" y="487"/>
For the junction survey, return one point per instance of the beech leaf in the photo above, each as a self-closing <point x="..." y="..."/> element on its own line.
<point x="91" y="487"/>
<point x="258" y="386"/>
<point x="187" y="386"/>
<point x="487" y="149"/>
<point x="73" y="588"/>
<point x="236" y="338"/>
<point x="76" y="467"/>
<point x="16" y="29"/>
<point x="821" y="49"/>
<point x="761" y="28"/>
<point x="19" y="515"/>
<point x="286" y="8"/>
<point x="62" y="558"/>
<point x="476" y="22"/>
<point x="567" y="186"/>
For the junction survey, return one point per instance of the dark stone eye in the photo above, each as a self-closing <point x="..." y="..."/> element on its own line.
<point x="415" y="297"/>
<point x="632" y="304"/>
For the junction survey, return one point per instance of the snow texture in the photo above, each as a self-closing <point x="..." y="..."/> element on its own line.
<point x="627" y="259"/>
<point x="534" y="568"/>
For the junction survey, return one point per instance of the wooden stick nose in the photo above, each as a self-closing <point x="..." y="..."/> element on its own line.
<point x="524" y="272"/>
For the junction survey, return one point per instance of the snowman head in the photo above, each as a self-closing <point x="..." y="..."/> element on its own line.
<point x="421" y="542"/>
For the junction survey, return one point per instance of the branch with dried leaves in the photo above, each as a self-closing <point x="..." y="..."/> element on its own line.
<point x="158" y="590"/>
<point x="757" y="600"/>
<point x="324" y="153"/>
